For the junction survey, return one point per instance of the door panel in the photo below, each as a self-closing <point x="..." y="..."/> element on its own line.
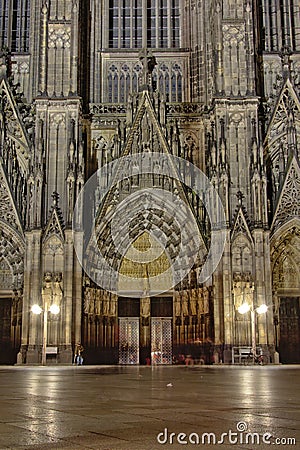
<point x="161" y="340"/>
<point x="9" y="339"/>
<point x="129" y="340"/>
<point x="289" y="344"/>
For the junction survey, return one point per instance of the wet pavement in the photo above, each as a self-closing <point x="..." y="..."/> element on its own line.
<point x="136" y="408"/>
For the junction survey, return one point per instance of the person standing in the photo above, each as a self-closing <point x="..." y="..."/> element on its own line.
<point x="78" y="359"/>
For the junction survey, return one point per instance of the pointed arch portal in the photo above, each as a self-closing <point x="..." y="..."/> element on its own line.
<point x="285" y="255"/>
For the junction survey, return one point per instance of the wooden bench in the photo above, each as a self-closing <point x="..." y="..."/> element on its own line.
<point x="51" y="350"/>
<point x="244" y="354"/>
<point x="51" y="354"/>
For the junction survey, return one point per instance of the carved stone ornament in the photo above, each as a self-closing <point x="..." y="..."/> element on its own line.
<point x="285" y="257"/>
<point x="288" y="204"/>
<point x="59" y="36"/>
<point x="11" y="123"/>
<point x="8" y="210"/>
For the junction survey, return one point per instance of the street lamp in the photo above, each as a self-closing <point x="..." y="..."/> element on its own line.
<point x="262" y="309"/>
<point x="36" y="309"/>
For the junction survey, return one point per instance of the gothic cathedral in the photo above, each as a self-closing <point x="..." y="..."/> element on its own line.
<point x="149" y="180"/>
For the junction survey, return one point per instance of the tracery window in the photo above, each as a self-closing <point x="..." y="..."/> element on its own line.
<point x="14" y="25"/>
<point x="144" y="23"/>
<point x="6" y="274"/>
<point x="123" y="79"/>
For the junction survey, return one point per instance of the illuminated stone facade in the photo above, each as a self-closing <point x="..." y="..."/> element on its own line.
<point x="83" y="83"/>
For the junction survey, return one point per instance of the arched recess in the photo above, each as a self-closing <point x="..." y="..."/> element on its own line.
<point x="285" y="264"/>
<point x="135" y="215"/>
<point x="243" y="286"/>
<point x="53" y="254"/>
<point x="12" y="250"/>
<point x="132" y="224"/>
<point x="52" y="286"/>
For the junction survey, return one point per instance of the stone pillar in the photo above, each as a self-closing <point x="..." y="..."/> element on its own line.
<point x="32" y="295"/>
<point x="65" y="351"/>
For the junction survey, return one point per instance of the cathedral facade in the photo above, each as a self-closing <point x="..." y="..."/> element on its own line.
<point x="149" y="180"/>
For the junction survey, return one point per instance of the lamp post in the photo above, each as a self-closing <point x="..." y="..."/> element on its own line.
<point x="36" y="309"/>
<point x="262" y="309"/>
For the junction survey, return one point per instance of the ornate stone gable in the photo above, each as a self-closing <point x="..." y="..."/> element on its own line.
<point x="287" y="100"/>
<point x="9" y="213"/>
<point x="13" y="126"/>
<point x="285" y="120"/>
<point x="55" y="225"/>
<point x="145" y="135"/>
<point x="288" y="205"/>
<point x="240" y="225"/>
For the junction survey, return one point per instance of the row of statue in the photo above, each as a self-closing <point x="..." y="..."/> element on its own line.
<point x="192" y="301"/>
<point x="100" y="302"/>
<point x="186" y="302"/>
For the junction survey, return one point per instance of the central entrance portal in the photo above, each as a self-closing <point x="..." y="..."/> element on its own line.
<point x="144" y="339"/>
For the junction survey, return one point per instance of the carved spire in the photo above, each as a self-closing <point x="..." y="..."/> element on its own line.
<point x="5" y="63"/>
<point x="240" y="197"/>
<point x="43" y="63"/>
<point x="286" y="62"/>
<point x="148" y="64"/>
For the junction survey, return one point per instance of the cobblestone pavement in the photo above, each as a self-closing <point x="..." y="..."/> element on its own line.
<point x="136" y="408"/>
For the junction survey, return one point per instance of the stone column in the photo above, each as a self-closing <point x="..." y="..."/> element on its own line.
<point x="32" y="295"/>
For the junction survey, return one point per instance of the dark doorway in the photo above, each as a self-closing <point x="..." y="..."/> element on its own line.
<point x="128" y="307"/>
<point x="289" y="344"/>
<point x="161" y="307"/>
<point x="8" y="353"/>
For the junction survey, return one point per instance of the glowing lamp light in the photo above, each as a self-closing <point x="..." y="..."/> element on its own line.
<point x="244" y="308"/>
<point x="54" y="309"/>
<point x="36" y="309"/>
<point x="262" y="309"/>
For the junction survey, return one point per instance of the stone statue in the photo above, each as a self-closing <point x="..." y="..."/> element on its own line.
<point x="57" y="289"/>
<point x="193" y="302"/>
<point x="206" y="300"/>
<point x="177" y="304"/>
<point x="105" y="304"/>
<point x="87" y="308"/>
<point x="248" y="294"/>
<point x="185" y="303"/>
<point x="98" y="301"/>
<point x="238" y="294"/>
<point x="200" y="301"/>
<point x="47" y="288"/>
<point x="145" y="306"/>
<point x="113" y="305"/>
